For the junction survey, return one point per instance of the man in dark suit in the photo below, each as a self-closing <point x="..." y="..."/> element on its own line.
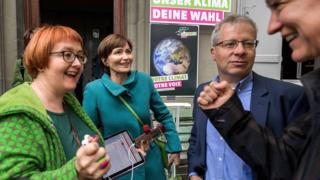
<point x="272" y="102"/>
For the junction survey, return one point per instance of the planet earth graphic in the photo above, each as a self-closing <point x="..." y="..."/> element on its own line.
<point x="171" y="57"/>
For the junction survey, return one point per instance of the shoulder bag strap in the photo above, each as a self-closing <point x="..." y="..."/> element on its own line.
<point x="131" y="110"/>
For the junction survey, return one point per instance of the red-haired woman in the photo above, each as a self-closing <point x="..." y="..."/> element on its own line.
<point x="41" y="123"/>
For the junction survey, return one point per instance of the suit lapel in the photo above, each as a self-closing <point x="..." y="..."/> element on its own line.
<point x="259" y="101"/>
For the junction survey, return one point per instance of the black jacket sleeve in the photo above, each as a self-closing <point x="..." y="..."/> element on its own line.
<point x="269" y="157"/>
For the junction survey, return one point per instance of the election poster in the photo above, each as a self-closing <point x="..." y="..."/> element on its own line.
<point x="198" y="12"/>
<point x="174" y="58"/>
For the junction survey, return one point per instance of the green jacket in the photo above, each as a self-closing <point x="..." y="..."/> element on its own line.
<point x="29" y="143"/>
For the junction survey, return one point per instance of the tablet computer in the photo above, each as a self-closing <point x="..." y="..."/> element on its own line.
<point x="118" y="148"/>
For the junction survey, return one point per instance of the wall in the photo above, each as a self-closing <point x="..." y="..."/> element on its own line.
<point x="137" y="31"/>
<point x="2" y="88"/>
<point x="268" y="56"/>
<point x="8" y="39"/>
<point x="206" y="65"/>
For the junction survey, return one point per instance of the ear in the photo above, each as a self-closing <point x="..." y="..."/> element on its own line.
<point x="105" y="62"/>
<point x="40" y="70"/>
<point x="213" y="53"/>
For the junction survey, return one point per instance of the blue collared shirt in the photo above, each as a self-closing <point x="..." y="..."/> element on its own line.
<point x="222" y="162"/>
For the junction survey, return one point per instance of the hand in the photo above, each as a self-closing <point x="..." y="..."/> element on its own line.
<point x="87" y="161"/>
<point x="143" y="147"/>
<point x="215" y="95"/>
<point x="174" y="158"/>
<point x="195" y="178"/>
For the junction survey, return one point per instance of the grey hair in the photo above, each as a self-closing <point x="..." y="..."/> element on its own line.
<point x="231" y="19"/>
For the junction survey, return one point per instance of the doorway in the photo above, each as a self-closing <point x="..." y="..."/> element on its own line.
<point x="92" y="19"/>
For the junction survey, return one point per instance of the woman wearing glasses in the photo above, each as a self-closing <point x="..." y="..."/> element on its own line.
<point x="41" y="123"/>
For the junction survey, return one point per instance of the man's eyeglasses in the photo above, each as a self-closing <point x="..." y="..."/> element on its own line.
<point x="232" y="44"/>
<point x="69" y="56"/>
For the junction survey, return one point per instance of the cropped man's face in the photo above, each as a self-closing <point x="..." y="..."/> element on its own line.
<point x="299" y="24"/>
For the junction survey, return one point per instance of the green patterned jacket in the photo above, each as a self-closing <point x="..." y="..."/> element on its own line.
<point x="29" y="144"/>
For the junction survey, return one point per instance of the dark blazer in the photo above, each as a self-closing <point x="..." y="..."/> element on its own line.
<point x="274" y="104"/>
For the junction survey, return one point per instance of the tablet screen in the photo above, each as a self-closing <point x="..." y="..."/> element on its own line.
<point x="118" y="148"/>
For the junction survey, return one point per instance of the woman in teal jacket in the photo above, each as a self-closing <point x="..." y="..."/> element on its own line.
<point x="41" y="123"/>
<point x="101" y="102"/>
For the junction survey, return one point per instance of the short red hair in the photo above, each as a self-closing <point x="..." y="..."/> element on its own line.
<point x="36" y="54"/>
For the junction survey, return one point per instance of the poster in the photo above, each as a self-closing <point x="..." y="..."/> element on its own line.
<point x="174" y="58"/>
<point x="199" y="12"/>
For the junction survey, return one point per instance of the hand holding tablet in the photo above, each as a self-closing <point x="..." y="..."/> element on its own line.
<point x="124" y="157"/>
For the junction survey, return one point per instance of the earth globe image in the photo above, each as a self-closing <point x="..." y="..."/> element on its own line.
<point x="171" y="57"/>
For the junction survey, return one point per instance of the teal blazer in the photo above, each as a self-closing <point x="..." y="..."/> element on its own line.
<point x="103" y="105"/>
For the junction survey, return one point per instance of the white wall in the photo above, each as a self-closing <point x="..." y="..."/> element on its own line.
<point x="268" y="57"/>
<point x="206" y="67"/>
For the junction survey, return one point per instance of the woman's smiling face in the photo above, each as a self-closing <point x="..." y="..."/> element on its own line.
<point x="120" y="60"/>
<point x="63" y="76"/>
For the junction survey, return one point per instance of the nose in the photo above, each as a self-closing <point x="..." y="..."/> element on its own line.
<point x="239" y="49"/>
<point x="275" y="24"/>
<point x="126" y="55"/>
<point x="77" y="61"/>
